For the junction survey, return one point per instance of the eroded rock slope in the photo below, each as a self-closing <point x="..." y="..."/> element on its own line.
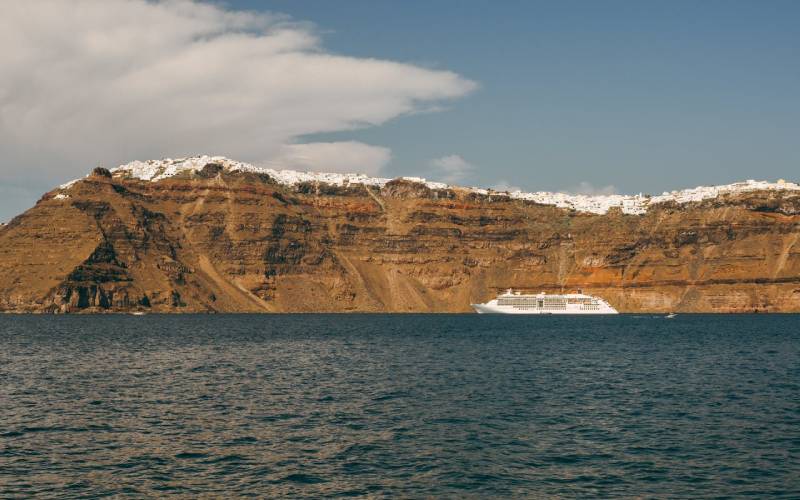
<point x="217" y="240"/>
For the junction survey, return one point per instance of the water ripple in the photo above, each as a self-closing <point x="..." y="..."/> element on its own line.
<point x="407" y="406"/>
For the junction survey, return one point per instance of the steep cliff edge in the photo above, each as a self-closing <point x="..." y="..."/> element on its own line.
<point x="236" y="241"/>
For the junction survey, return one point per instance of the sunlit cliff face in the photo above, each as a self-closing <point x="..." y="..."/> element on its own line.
<point x="218" y="238"/>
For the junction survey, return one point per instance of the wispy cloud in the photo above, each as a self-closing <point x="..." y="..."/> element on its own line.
<point x="589" y="189"/>
<point x="451" y="168"/>
<point x="345" y="157"/>
<point x="505" y="186"/>
<point x="87" y="82"/>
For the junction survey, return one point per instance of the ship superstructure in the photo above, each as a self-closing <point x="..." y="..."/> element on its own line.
<point x="512" y="302"/>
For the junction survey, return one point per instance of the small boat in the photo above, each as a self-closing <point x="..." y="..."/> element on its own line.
<point x="138" y="313"/>
<point x="670" y="315"/>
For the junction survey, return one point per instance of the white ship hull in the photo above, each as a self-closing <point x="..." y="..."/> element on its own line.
<point x="570" y="304"/>
<point x="487" y="309"/>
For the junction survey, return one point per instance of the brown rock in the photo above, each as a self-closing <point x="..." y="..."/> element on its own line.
<point x="238" y="242"/>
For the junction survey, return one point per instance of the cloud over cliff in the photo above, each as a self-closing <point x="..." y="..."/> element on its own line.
<point x="451" y="168"/>
<point x="87" y="82"/>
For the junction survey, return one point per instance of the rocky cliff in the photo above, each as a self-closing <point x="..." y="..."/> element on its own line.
<point x="214" y="239"/>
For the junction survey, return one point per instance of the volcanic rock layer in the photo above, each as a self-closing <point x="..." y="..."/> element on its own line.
<point x="222" y="241"/>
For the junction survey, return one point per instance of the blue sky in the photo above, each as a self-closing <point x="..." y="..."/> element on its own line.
<point x="611" y="96"/>
<point x="641" y="95"/>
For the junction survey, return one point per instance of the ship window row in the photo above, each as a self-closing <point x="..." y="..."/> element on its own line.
<point x="531" y="302"/>
<point x="559" y="307"/>
<point x="517" y="302"/>
<point x="546" y="301"/>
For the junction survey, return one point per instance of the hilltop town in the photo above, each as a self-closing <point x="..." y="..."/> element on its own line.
<point x="155" y="170"/>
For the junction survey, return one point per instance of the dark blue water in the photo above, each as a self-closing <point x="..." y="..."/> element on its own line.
<point x="403" y="406"/>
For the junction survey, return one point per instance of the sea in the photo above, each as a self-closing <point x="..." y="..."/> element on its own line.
<point x="400" y="406"/>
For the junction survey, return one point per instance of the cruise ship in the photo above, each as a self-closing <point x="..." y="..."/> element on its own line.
<point x="512" y="302"/>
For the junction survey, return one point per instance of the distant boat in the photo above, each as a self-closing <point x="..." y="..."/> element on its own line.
<point x="670" y="315"/>
<point x="512" y="302"/>
<point x="138" y="313"/>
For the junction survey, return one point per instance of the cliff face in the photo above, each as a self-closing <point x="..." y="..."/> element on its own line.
<point x="239" y="242"/>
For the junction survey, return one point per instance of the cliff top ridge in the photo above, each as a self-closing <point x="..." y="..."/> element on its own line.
<point x="156" y="170"/>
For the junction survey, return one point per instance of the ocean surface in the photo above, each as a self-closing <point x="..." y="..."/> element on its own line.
<point x="400" y="406"/>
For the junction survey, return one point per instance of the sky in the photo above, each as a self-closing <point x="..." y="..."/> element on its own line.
<point x="578" y="96"/>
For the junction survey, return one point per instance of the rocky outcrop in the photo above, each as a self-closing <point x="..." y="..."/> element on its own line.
<point x="222" y="241"/>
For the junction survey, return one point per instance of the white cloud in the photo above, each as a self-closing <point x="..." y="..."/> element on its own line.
<point x="589" y="189"/>
<point x="451" y="168"/>
<point x="104" y="82"/>
<point x="505" y="186"/>
<point x="342" y="157"/>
